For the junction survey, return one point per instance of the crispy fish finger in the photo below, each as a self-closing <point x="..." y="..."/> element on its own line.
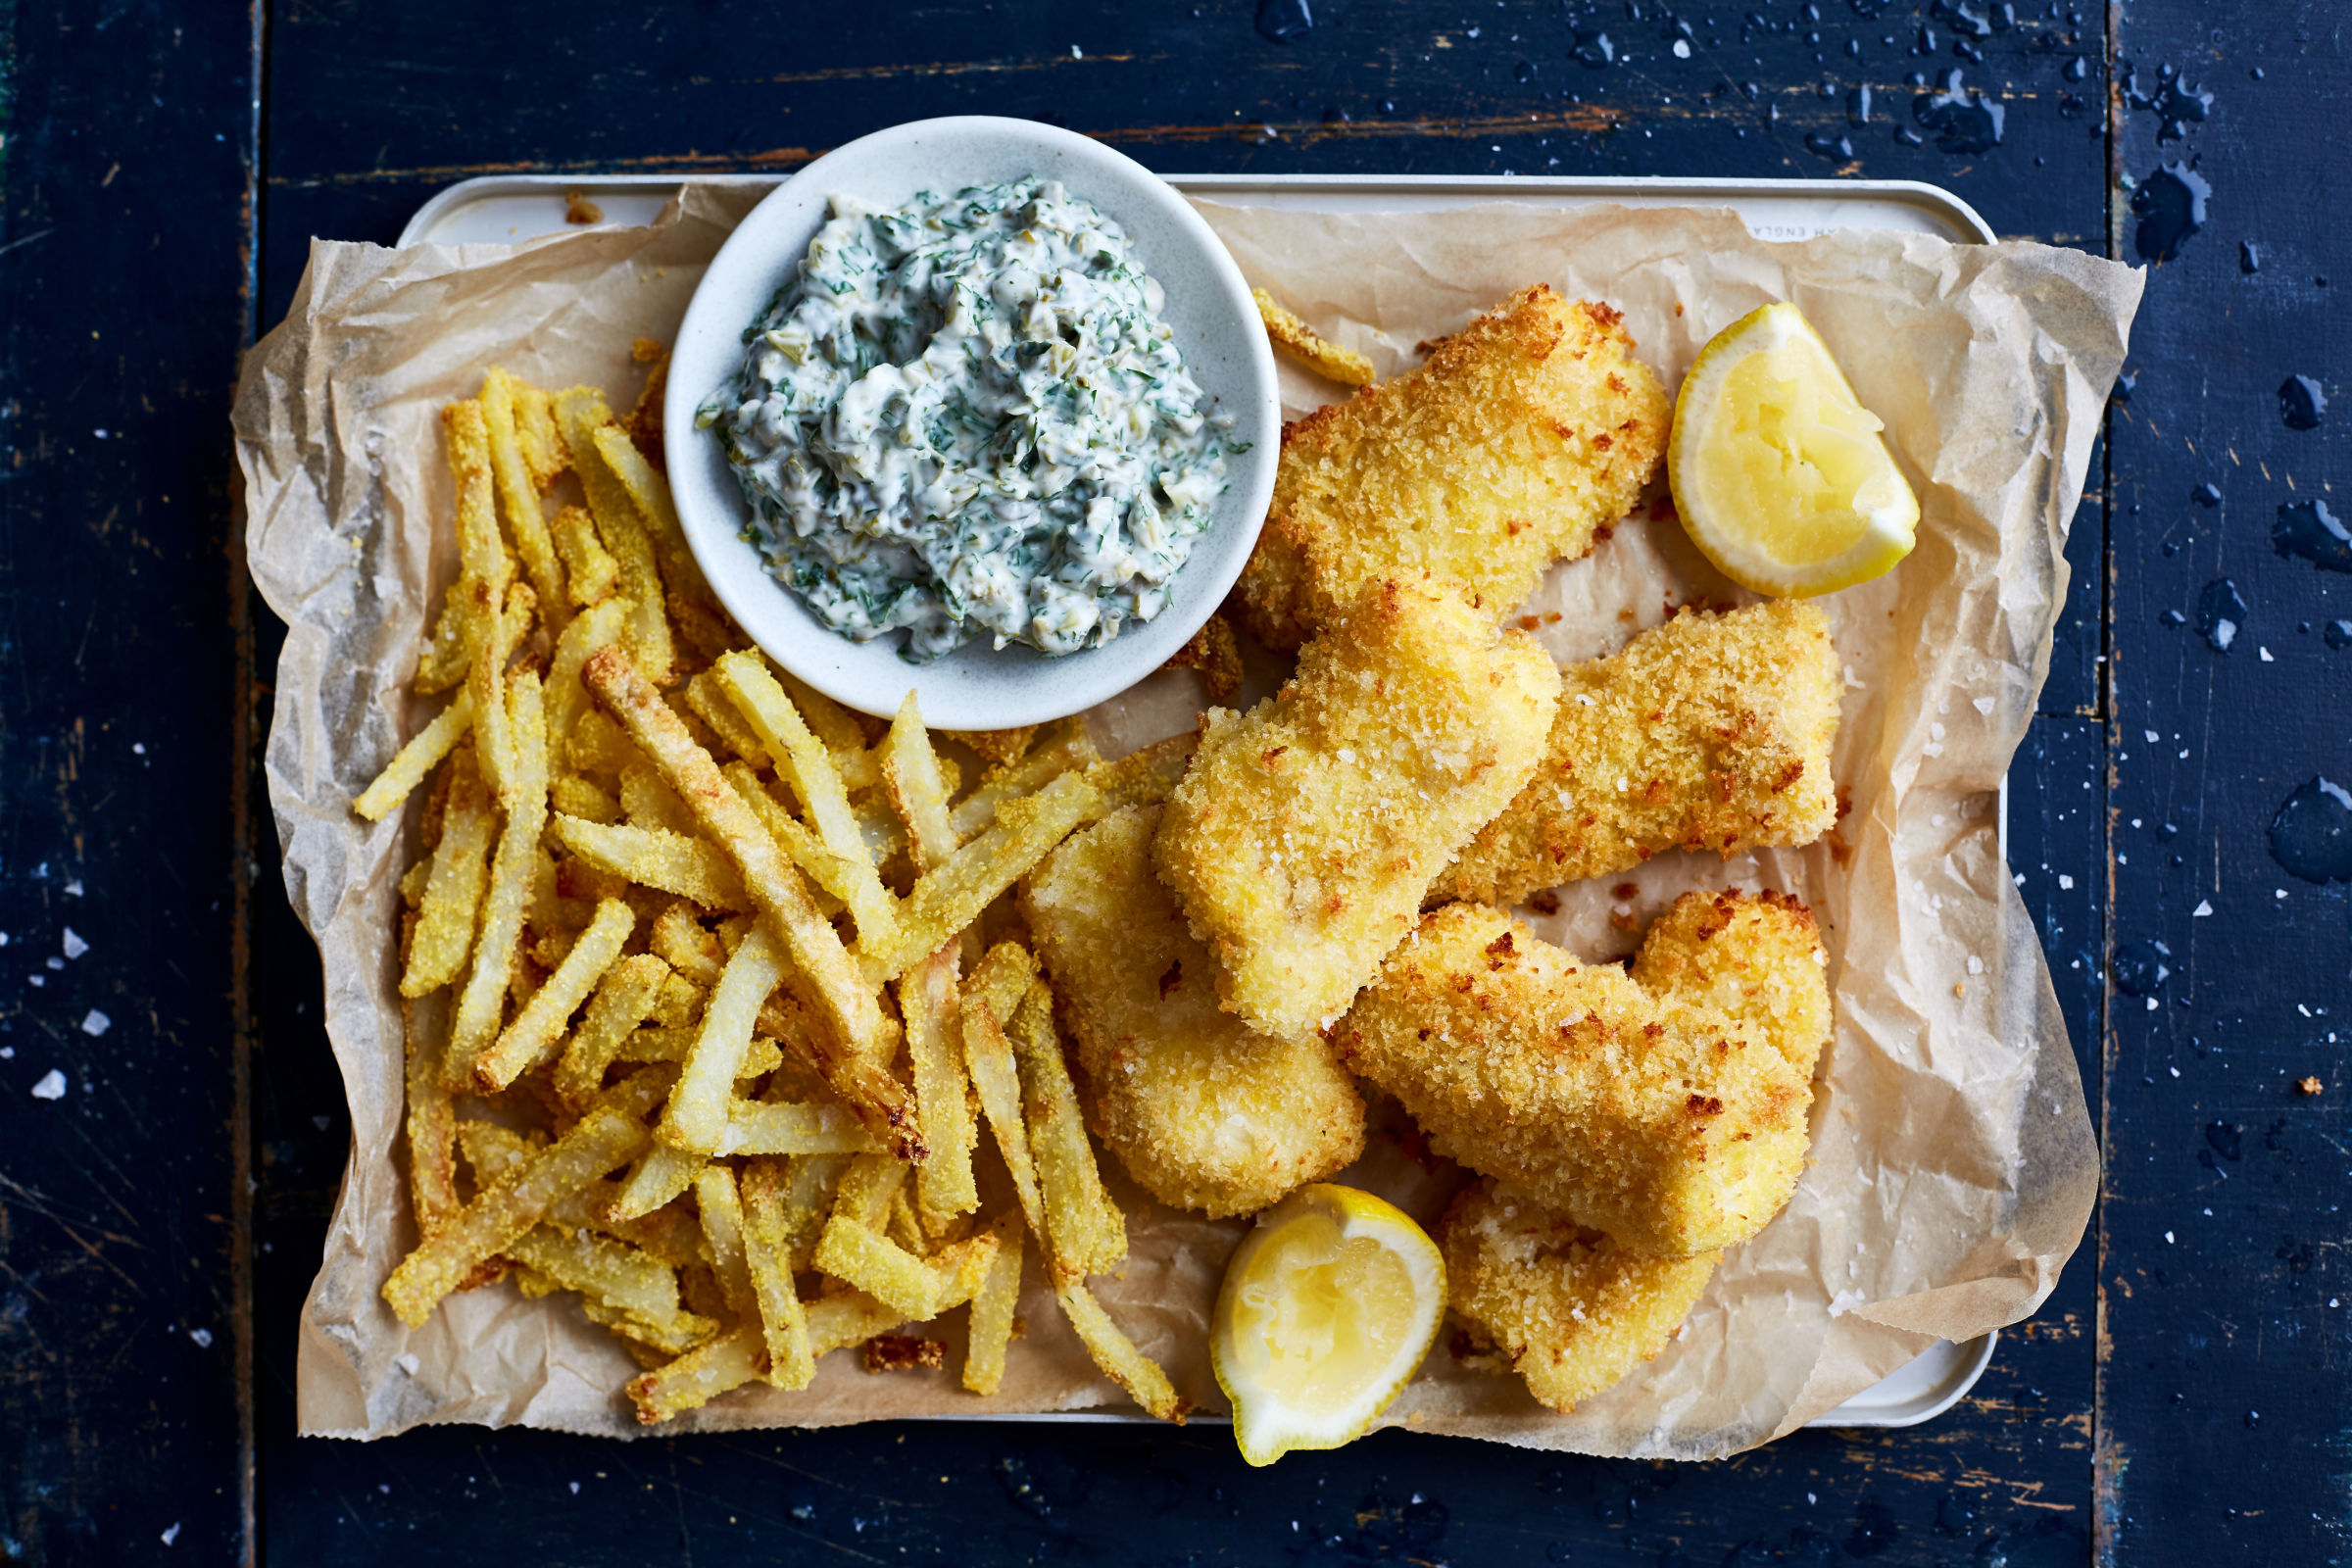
<point x="1572" y="1309"/>
<point x="1521" y="435"/>
<point x="1711" y="731"/>
<point x="1755" y="956"/>
<point x="1204" y="1113"/>
<point x="1674" y="1129"/>
<point x="1301" y="842"/>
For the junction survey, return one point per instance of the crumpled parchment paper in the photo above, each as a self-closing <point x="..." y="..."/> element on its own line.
<point x="1954" y="1164"/>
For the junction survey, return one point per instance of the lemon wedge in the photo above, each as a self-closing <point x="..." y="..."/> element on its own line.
<point x="1327" y="1307"/>
<point x="1780" y="473"/>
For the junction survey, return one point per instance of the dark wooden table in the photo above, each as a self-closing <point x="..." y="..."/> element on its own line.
<point x="2181" y="1396"/>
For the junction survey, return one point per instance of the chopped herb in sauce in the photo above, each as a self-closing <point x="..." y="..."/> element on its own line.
<point x="967" y="415"/>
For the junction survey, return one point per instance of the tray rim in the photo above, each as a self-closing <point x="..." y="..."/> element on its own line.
<point x="1970" y="1358"/>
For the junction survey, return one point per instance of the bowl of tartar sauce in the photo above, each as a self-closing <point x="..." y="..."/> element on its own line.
<point x="975" y="406"/>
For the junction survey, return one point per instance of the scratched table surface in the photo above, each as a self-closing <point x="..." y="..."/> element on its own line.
<point x="171" y="1128"/>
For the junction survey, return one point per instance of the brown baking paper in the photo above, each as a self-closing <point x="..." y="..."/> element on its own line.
<point x="1953" y="1166"/>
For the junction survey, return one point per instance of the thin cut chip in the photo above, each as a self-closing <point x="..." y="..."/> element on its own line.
<point x="1202" y="1112"/>
<point x="720" y="1206"/>
<point x="679" y="938"/>
<point x="588" y="567"/>
<point x="697" y="1117"/>
<point x="1520" y="440"/>
<point x="1573" y="1310"/>
<point x="847" y="1317"/>
<point x="410" y="763"/>
<point x="660" y="1174"/>
<point x="582" y="411"/>
<point x="511" y="870"/>
<point x="698" y="1376"/>
<point x="1305" y="833"/>
<point x="1301" y="343"/>
<point x="566" y="699"/>
<point x="597" y="745"/>
<point x="679" y="1005"/>
<point x="767" y="1254"/>
<point x="573" y="796"/>
<point x="838" y="877"/>
<point x="812" y="1183"/>
<point x="1147" y="775"/>
<point x="803" y="763"/>
<point x="535" y="430"/>
<point x="493" y="725"/>
<point x="624" y="999"/>
<point x="855" y="1250"/>
<point x="432" y="1115"/>
<point x="602" y="1140"/>
<point x="649" y="492"/>
<point x="997" y="746"/>
<point x="452" y="893"/>
<point x="912" y="779"/>
<point x="1086" y="1231"/>
<point x="647" y="801"/>
<point x="850" y="1008"/>
<point x="946" y="899"/>
<point x="770" y="1127"/>
<point x="995" y="1306"/>
<point x="613" y="1274"/>
<point x="534" y="1035"/>
<point x="1117" y="1357"/>
<point x="1710" y="732"/>
<point x="1066" y="745"/>
<point x="1672" y="1127"/>
<point x="927" y="1002"/>
<point x="710" y="704"/>
<point x="520" y="495"/>
<point x="656" y="858"/>
<point x="988" y="1058"/>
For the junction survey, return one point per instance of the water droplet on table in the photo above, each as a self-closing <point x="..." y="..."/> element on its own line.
<point x="2311" y="837"/>
<point x="1281" y="21"/>
<point x="1961" y="117"/>
<point x="2301" y="403"/>
<point x="2171" y="206"/>
<point x="2308" y="531"/>
<point x="2220" y="614"/>
<point x="2140" y="968"/>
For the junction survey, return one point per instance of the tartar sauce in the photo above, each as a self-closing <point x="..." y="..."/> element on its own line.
<point x="967" y="414"/>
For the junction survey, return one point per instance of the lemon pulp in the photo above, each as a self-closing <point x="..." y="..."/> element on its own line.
<point x="1782" y="477"/>
<point x="1327" y="1308"/>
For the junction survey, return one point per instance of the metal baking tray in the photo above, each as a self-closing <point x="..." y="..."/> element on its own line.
<point x="507" y="209"/>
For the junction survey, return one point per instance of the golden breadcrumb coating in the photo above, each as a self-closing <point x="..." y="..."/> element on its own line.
<point x="1203" y="1113"/>
<point x="1674" y="1129"/>
<point x="1572" y="1309"/>
<point x="1711" y="731"/>
<point x="1755" y="956"/>
<point x="1301" y="842"/>
<point x="1521" y="435"/>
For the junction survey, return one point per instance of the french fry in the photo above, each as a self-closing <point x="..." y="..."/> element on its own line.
<point x="603" y="1138"/>
<point x="988" y="1056"/>
<point x="493" y="722"/>
<point x="698" y="1376"/>
<point x="511" y="873"/>
<point x="1066" y="747"/>
<point x="678" y="1004"/>
<point x="803" y="763"/>
<point x="845" y="1318"/>
<point x="533" y="1035"/>
<point x="849" y="1008"/>
<point x="580" y="412"/>
<point x="452" y="905"/>
<point x="657" y="1043"/>
<point x="1147" y="775"/>
<point x="697" y="1116"/>
<point x="766" y="1127"/>
<point x="482" y="559"/>
<point x="597" y="745"/>
<point x="722" y="1207"/>
<point x="838" y="876"/>
<point x="567" y="698"/>
<point x="666" y="1235"/>
<point x="833" y="724"/>
<point x="660" y="1174"/>
<point x="710" y="704"/>
<point x="927" y="1002"/>
<point x="767" y="1255"/>
<point x="810" y="1184"/>
<point x="432" y="1115"/>
<point x="647" y="801"/>
<point x="679" y="938"/>
<point x="912" y="779"/>
<point x="649" y="492"/>
<point x="535" y="432"/>
<point x="853" y="1250"/>
<point x="655" y="857"/>
<point x="996" y="746"/>
<point x="412" y="761"/>
<point x="449" y="651"/>
<point x="994" y="1306"/>
<point x="573" y="796"/>
<point x="1086" y="1229"/>
<point x="903" y="1230"/>
<point x="1117" y="1357"/>
<point x="616" y="1276"/>
<point x="1309" y="348"/>
<point x="951" y="896"/>
<point x="589" y="568"/>
<point x="520" y="496"/>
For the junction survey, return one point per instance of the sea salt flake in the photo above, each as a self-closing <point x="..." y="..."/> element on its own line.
<point x="1976" y="965"/>
<point x="171" y="1536"/>
<point x="2064" y="883"/>
<point x="73" y="888"/>
<point x="202" y="1337"/>
<point x="95" y="1023"/>
<point x="1983" y="705"/>
<point x="2204" y="907"/>
<point x="73" y="945"/>
<point x="51" y="1087"/>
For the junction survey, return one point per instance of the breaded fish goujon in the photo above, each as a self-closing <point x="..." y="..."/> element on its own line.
<point x="1709" y="732"/>
<point x="1302" y="838"/>
<point x="1573" y="1310"/>
<point x="1204" y="1113"/>
<point x="1524" y="433"/>
<point x="1664" y="1122"/>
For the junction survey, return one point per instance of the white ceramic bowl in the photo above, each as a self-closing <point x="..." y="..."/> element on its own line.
<point x="1216" y="325"/>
